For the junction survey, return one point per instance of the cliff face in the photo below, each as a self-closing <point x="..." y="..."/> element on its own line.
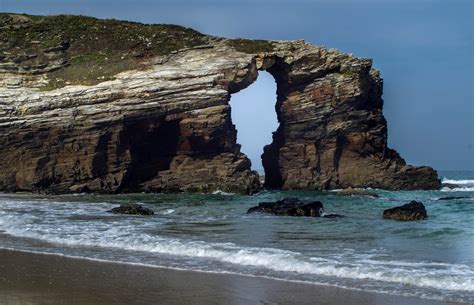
<point x="158" y="119"/>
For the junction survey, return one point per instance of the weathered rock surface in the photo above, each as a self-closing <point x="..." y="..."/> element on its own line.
<point x="290" y="207"/>
<point x="167" y="126"/>
<point x="132" y="209"/>
<point x="413" y="210"/>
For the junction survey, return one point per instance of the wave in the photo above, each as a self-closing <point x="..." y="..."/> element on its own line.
<point x="458" y="182"/>
<point x="457" y="189"/>
<point x="219" y="192"/>
<point x="114" y="261"/>
<point x="461" y="185"/>
<point x="168" y="211"/>
<point x="454" y="277"/>
<point x="133" y="239"/>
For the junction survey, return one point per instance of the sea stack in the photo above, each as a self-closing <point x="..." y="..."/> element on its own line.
<point x="109" y="106"/>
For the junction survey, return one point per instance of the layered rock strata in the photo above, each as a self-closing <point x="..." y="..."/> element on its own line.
<point x="167" y="126"/>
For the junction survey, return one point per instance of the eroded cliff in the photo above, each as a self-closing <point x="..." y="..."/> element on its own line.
<point x="111" y="106"/>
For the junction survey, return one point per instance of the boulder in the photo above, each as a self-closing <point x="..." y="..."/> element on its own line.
<point x="132" y="209"/>
<point x="290" y="207"/>
<point x="413" y="210"/>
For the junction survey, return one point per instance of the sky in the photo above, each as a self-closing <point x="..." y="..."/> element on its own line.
<point x="424" y="50"/>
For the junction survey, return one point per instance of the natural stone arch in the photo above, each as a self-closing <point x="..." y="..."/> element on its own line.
<point x="168" y="127"/>
<point x="332" y="132"/>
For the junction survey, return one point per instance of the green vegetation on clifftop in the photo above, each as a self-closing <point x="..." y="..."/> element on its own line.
<point x="251" y="46"/>
<point x="84" y="50"/>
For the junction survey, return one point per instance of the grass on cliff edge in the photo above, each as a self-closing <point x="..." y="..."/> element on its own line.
<point x="251" y="46"/>
<point x="85" y="50"/>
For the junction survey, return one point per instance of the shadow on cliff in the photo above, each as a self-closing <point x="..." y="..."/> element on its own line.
<point x="152" y="145"/>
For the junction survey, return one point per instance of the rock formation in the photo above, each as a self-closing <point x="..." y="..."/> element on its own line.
<point x="90" y="105"/>
<point x="293" y="207"/>
<point x="132" y="209"/>
<point x="413" y="210"/>
<point x="290" y="207"/>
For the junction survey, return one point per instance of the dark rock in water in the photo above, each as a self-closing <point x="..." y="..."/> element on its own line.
<point x="132" y="209"/>
<point x="333" y="215"/>
<point x="450" y="185"/>
<point x="453" y="198"/>
<point x="290" y="207"/>
<point x="411" y="211"/>
<point x="357" y="192"/>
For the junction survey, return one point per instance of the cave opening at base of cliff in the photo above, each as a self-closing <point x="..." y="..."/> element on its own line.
<point x="254" y="116"/>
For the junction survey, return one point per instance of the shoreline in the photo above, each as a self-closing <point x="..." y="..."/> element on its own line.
<point x="34" y="278"/>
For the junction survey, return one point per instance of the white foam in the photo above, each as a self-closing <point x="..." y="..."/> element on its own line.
<point x="457" y="189"/>
<point x="458" y="182"/>
<point x="219" y="192"/>
<point x="122" y="235"/>
<point x="266" y="258"/>
<point x="462" y="185"/>
<point x="167" y="212"/>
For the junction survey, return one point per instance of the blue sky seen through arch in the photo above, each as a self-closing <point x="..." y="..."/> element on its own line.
<point x="253" y="114"/>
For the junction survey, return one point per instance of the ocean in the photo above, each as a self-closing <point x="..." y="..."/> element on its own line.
<point x="432" y="259"/>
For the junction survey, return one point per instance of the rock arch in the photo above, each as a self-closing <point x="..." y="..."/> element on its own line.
<point x="168" y="127"/>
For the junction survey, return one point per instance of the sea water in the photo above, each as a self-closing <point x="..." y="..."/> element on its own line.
<point x="433" y="258"/>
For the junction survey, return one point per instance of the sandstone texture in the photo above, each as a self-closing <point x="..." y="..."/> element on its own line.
<point x="75" y="116"/>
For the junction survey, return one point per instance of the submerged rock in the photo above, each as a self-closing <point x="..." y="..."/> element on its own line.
<point x="413" y="210"/>
<point x="332" y="215"/>
<point x="290" y="207"/>
<point x="357" y="192"/>
<point x="132" y="209"/>
<point x="450" y="185"/>
<point x="453" y="198"/>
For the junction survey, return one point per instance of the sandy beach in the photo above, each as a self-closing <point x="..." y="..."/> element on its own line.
<point x="28" y="278"/>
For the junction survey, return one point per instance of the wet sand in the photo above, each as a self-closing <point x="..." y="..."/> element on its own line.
<point x="28" y="278"/>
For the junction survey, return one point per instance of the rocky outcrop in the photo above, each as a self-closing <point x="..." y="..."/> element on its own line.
<point x="290" y="207"/>
<point x="293" y="207"/>
<point x="413" y="210"/>
<point x="132" y="209"/>
<point x="166" y="126"/>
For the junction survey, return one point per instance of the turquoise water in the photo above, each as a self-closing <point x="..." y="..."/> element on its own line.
<point x="433" y="258"/>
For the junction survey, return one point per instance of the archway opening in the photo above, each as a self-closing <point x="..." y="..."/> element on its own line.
<point x="254" y="116"/>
